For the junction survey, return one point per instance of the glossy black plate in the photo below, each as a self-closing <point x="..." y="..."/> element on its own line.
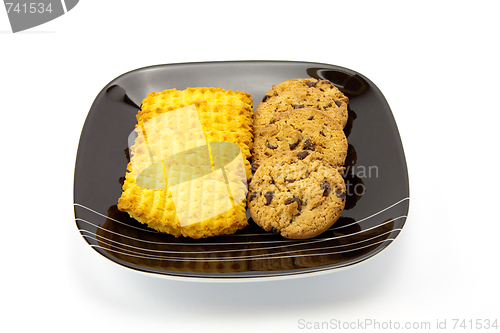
<point x="376" y="178"/>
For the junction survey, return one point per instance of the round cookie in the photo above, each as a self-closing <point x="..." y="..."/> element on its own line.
<point x="292" y="84"/>
<point x="299" y="93"/>
<point x="296" y="194"/>
<point x="303" y="129"/>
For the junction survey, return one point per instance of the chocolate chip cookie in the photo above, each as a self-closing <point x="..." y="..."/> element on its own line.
<point x="296" y="194"/>
<point x="300" y="93"/>
<point x="303" y="129"/>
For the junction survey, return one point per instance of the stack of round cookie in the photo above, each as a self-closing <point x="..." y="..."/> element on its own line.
<point x="299" y="151"/>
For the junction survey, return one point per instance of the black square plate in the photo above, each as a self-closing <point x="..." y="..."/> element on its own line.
<point x="376" y="179"/>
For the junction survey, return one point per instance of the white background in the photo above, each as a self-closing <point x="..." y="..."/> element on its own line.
<point x="437" y="65"/>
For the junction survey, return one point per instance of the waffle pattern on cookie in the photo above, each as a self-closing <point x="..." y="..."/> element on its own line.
<point x="188" y="168"/>
<point x="172" y="97"/>
<point x="221" y="122"/>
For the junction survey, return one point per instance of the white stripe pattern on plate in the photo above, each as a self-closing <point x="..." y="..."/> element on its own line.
<point x="285" y="243"/>
<point x="109" y="242"/>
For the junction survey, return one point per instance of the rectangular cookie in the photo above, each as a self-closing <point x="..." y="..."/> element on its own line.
<point x="189" y="162"/>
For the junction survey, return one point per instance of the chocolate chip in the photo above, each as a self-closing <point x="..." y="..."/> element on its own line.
<point x="290" y="180"/>
<point x="340" y="194"/>
<point x="311" y="117"/>
<point x="298" y="106"/>
<point x="322" y="133"/>
<point x="252" y="196"/>
<point x="265" y="98"/>
<point x="325" y="186"/>
<point x="337" y="103"/>
<point x="297" y="200"/>
<point x="329" y="105"/>
<point x="311" y="84"/>
<point x="321" y="89"/>
<point x="274" y="230"/>
<point x="294" y="145"/>
<point x="272" y="121"/>
<point x="270" y="146"/>
<point x="303" y="154"/>
<point x="308" y="145"/>
<point x="269" y="197"/>
<point x="275" y="94"/>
